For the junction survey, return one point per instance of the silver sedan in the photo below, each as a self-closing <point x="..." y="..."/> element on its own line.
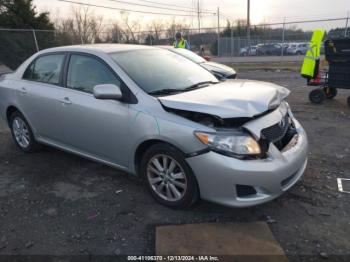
<point x="156" y="114"/>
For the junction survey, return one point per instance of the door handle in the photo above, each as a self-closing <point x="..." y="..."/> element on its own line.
<point x="23" y="91"/>
<point x="65" y="101"/>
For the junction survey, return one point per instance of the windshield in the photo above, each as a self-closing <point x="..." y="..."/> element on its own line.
<point x="189" y="54"/>
<point x="155" y="69"/>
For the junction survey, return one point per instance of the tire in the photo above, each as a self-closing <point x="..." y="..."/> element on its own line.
<point x="22" y="133"/>
<point x="185" y="185"/>
<point x="349" y="101"/>
<point x="317" y="96"/>
<point x="330" y="92"/>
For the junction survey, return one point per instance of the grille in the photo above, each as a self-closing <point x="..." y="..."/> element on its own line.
<point x="277" y="132"/>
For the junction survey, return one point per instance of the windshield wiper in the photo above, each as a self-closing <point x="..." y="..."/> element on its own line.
<point x="199" y="85"/>
<point x="167" y="91"/>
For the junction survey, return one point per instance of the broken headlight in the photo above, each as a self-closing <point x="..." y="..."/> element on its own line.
<point x="236" y="144"/>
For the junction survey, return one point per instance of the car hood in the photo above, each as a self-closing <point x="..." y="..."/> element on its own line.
<point x="229" y="99"/>
<point x="212" y="66"/>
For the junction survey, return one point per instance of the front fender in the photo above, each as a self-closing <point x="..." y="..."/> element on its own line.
<point x="145" y="127"/>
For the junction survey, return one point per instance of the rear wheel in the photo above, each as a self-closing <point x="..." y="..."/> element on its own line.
<point x="168" y="177"/>
<point x="22" y="133"/>
<point x="330" y="92"/>
<point x="317" y="96"/>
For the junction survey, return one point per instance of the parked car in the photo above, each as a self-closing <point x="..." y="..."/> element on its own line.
<point x="220" y="71"/>
<point x="156" y="114"/>
<point x="286" y="46"/>
<point x="246" y="51"/>
<point x="297" y="49"/>
<point x="269" y="49"/>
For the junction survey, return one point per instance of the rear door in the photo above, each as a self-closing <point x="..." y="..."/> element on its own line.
<point x="39" y="93"/>
<point x="95" y="127"/>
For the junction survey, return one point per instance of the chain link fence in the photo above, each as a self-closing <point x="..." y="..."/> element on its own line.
<point x="280" y="39"/>
<point x="16" y="45"/>
<point x="242" y="46"/>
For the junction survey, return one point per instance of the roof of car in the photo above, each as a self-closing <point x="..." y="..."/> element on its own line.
<point x="105" y="48"/>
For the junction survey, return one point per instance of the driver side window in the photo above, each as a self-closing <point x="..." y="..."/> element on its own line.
<point x="85" y="72"/>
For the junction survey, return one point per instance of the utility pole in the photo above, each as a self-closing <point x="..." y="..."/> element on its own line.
<point x="346" y="25"/>
<point x="283" y="36"/>
<point x="218" y="30"/>
<point x="199" y="18"/>
<point x="248" y="24"/>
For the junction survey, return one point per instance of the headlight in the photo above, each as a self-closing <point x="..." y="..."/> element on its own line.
<point x="232" y="143"/>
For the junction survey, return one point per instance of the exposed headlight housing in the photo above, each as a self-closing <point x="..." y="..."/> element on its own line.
<point x="237" y="144"/>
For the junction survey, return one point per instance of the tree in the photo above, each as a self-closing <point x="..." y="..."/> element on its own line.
<point x="157" y="27"/>
<point x="115" y="34"/>
<point x="21" y="14"/>
<point x="86" y="25"/>
<point x="149" y="40"/>
<point x="66" y="34"/>
<point x="132" y="28"/>
<point x="173" y="27"/>
<point x="17" y="46"/>
<point x="83" y="28"/>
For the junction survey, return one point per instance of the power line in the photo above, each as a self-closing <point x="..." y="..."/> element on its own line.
<point x="304" y="21"/>
<point x="315" y="17"/>
<point x="164" y="4"/>
<point x="122" y="9"/>
<point x="188" y="29"/>
<point x="157" y="7"/>
<point x="180" y="6"/>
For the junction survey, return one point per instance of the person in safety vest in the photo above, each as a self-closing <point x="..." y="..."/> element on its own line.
<point x="180" y="42"/>
<point x="311" y="64"/>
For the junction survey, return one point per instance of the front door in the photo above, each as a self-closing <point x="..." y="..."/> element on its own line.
<point x="95" y="127"/>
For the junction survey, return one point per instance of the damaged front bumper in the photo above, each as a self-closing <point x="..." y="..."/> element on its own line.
<point x="242" y="183"/>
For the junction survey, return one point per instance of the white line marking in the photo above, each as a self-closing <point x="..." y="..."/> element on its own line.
<point x="340" y="185"/>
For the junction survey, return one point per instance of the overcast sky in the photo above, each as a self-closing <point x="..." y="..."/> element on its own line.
<point x="268" y="11"/>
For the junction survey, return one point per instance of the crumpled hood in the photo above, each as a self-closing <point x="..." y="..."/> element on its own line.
<point x="229" y="99"/>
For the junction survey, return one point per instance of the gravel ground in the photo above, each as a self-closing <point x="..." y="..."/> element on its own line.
<point x="55" y="203"/>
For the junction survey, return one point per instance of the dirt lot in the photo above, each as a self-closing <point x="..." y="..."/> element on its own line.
<point x="57" y="203"/>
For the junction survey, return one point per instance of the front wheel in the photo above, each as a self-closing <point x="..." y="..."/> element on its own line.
<point x="317" y="96"/>
<point x="168" y="176"/>
<point x="22" y="133"/>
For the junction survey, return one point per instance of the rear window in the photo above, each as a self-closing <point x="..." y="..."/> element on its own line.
<point x="45" y="69"/>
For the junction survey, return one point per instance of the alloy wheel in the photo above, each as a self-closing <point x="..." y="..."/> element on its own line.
<point x="21" y="132"/>
<point x="167" y="178"/>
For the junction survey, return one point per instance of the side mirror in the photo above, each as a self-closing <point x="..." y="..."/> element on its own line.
<point x="107" y="91"/>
